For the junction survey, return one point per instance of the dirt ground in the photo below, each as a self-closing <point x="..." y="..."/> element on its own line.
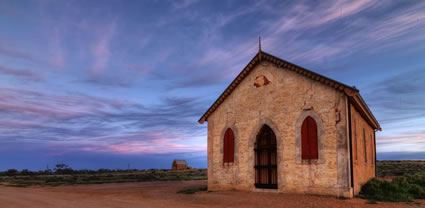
<point x="163" y="194"/>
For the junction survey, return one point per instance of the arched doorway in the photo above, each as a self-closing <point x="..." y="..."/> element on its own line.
<point x="265" y="159"/>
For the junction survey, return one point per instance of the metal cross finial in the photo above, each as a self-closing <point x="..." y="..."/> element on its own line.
<point x="259" y="47"/>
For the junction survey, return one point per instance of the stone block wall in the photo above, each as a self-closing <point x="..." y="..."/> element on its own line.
<point x="281" y="102"/>
<point x="363" y="150"/>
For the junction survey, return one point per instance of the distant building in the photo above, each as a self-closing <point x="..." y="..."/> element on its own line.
<point x="179" y="165"/>
<point x="280" y="126"/>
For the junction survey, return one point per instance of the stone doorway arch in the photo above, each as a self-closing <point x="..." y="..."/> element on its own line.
<point x="265" y="149"/>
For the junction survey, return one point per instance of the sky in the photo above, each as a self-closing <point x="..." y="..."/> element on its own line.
<point x="118" y="84"/>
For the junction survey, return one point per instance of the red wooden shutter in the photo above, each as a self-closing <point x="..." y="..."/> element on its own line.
<point x="312" y="133"/>
<point x="309" y="139"/>
<point x="304" y="141"/>
<point x="229" y="146"/>
<point x="225" y="146"/>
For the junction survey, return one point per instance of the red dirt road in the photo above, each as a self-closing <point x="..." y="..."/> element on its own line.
<point x="163" y="194"/>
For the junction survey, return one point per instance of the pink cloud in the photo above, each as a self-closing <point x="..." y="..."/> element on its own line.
<point x="23" y="73"/>
<point x="151" y="142"/>
<point x="101" y="49"/>
<point x="57" y="106"/>
<point x="139" y="69"/>
<point x="140" y="147"/>
<point x="17" y="124"/>
<point x="159" y="144"/>
<point x="405" y="141"/>
<point x="56" y="49"/>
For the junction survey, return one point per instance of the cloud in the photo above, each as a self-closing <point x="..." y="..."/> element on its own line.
<point x="15" y="53"/>
<point x="183" y="51"/>
<point x="222" y="60"/>
<point x="56" y="49"/>
<point x="400" y="155"/>
<point x="398" y="97"/>
<point x="409" y="141"/>
<point x="108" y="81"/>
<point x="87" y="123"/>
<point x="101" y="48"/>
<point x="139" y="69"/>
<point x="183" y="4"/>
<point x="39" y="157"/>
<point x="301" y="35"/>
<point x="303" y="29"/>
<point x="26" y="74"/>
<point x="397" y="102"/>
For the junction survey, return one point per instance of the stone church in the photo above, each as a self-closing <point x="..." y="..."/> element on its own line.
<point x="279" y="127"/>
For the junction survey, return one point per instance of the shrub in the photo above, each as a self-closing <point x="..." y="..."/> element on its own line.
<point x="104" y="170"/>
<point x="399" y="189"/>
<point x="65" y="171"/>
<point x="342" y="198"/>
<point x="371" y="201"/>
<point x="12" y="172"/>
<point x="192" y="191"/>
<point x="26" y="172"/>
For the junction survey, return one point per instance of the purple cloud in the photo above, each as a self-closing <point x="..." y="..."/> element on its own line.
<point x="15" y="53"/>
<point x="21" y="73"/>
<point x="101" y="48"/>
<point x="132" y="79"/>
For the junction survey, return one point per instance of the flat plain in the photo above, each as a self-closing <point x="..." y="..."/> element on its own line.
<point x="158" y="188"/>
<point x="164" y="194"/>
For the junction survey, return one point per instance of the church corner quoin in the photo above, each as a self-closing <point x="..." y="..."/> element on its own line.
<point x="281" y="128"/>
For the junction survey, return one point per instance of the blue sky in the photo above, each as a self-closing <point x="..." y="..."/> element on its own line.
<point x="104" y="84"/>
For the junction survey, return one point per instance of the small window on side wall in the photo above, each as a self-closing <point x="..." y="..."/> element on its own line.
<point x="309" y="143"/>
<point x="229" y="146"/>
<point x="365" y="145"/>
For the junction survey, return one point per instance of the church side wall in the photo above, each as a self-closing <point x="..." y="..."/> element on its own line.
<point x="364" y="162"/>
<point x="282" y="104"/>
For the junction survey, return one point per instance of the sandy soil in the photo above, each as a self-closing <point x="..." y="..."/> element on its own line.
<point x="163" y="194"/>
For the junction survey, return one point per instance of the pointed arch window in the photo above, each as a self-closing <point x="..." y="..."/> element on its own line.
<point x="229" y="146"/>
<point x="309" y="143"/>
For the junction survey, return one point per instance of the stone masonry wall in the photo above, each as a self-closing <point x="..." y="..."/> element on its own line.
<point x="282" y="104"/>
<point x="364" y="163"/>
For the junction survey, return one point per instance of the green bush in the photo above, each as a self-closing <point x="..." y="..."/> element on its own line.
<point x="192" y="191"/>
<point x="342" y="198"/>
<point x="12" y="172"/>
<point x="26" y="172"/>
<point x="65" y="175"/>
<point x="399" y="189"/>
<point x="371" y="201"/>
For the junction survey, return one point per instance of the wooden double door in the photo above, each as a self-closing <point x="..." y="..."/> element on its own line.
<point x="265" y="159"/>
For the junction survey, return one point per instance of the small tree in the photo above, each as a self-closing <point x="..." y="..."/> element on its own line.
<point x="61" y="166"/>
<point x="63" y="169"/>
<point x="26" y="172"/>
<point x="12" y="172"/>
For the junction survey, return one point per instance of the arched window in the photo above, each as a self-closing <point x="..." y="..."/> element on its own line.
<point x="309" y="144"/>
<point x="229" y="146"/>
